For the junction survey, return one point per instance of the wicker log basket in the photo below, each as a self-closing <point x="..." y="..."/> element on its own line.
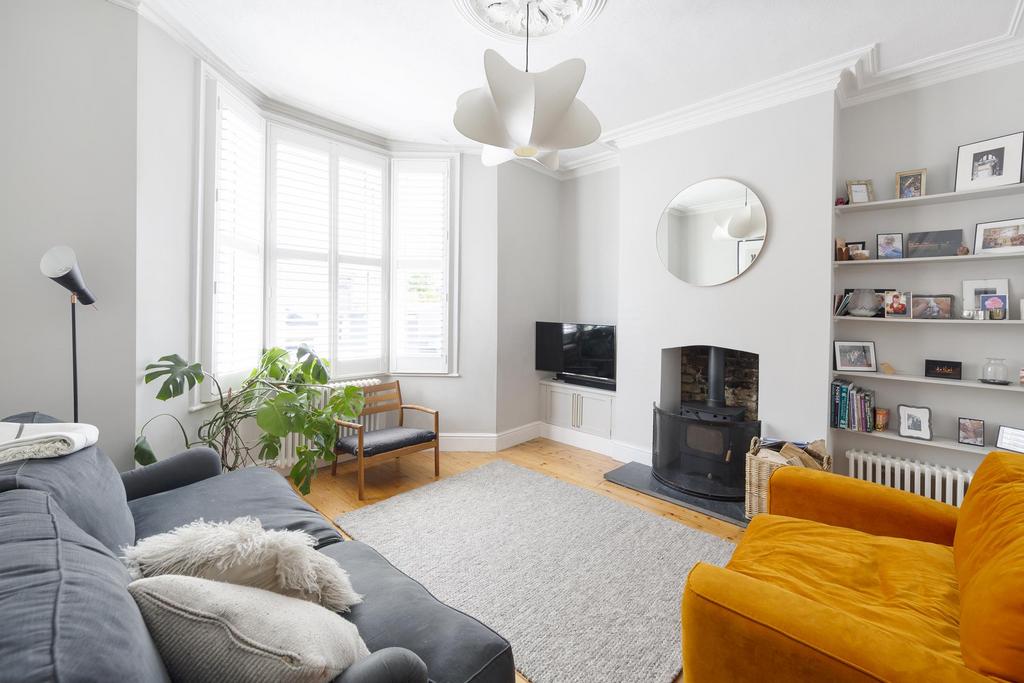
<point x="763" y="459"/>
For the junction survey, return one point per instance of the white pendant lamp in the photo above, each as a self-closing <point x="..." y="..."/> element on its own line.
<point x="527" y="115"/>
<point x="738" y="224"/>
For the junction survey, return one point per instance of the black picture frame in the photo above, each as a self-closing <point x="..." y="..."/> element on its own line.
<point x="960" y="431"/>
<point x="914" y="312"/>
<point x="878" y="246"/>
<point x="944" y="369"/>
<point x="958" y="186"/>
<point x="927" y="420"/>
<point x="872" y="357"/>
<point x="933" y="243"/>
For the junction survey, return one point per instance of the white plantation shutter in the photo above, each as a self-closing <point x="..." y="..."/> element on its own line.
<point x="420" y="256"/>
<point x="360" y="263"/>
<point x="236" y="262"/>
<point x="299" y="264"/>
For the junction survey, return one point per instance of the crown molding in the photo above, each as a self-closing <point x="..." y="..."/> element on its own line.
<point x="132" y="5"/>
<point x="592" y="163"/>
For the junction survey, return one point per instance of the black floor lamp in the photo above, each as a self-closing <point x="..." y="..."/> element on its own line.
<point x="61" y="265"/>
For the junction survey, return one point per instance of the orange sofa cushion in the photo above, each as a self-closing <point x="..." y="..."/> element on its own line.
<point x="989" y="553"/>
<point x="907" y="588"/>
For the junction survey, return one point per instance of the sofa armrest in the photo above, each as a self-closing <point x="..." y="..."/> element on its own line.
<point x="737" y="628"/>
<point x="855" y="504"/>
<point x="388" y="665"/>
<point x="179" y="470"/>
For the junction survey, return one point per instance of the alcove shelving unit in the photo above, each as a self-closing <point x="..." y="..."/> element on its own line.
<point x="907" y="342"/>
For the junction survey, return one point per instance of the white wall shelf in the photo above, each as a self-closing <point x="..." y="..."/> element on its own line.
<point x="963" y="384"/>
<point x="931" y="199"/>
<point x="937" y="442"/>
<point x="929" y="259"/>
<point x="850" y="318"/>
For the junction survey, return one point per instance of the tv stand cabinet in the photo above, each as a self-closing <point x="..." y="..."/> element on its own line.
<point x="578" y="408"/>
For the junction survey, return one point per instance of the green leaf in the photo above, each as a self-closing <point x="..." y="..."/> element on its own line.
<point x="277" y="415"/>
<point x="312" y="367"/>
<point x="178" y="373"/>
<point x="270" y="447"/>
<point x="144" y="454"/>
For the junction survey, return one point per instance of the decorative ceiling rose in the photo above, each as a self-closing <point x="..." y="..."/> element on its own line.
<point x="506" y="19"/>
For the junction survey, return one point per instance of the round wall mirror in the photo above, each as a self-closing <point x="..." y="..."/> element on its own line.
<point x="712" y="231"/>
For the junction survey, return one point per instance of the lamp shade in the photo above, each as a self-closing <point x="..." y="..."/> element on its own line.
<point x="61" y="265"/>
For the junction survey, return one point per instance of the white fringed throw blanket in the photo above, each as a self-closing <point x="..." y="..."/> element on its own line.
<point x="23" y="441"/>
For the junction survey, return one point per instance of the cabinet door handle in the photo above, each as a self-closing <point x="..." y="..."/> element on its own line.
<point x="579" y="411"/>
<point x="574" y="397"/>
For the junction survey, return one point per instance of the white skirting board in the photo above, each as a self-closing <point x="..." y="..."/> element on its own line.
<point x="490" y="443"/>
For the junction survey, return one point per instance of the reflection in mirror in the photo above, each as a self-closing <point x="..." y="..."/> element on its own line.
<point x="712" y="231"/>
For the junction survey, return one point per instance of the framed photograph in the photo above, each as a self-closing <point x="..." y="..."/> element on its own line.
<point x="971" y="431"/>
<point x="999" y="237"/>
<point x="860" y="191"/>
<point x="934" y="243"/>
<point x="975" y="290"/>
<point x="746" y="253"/>
<point x="897" y="304"/>
<point x="915" y="422"/>
<point x="855" y="356"/>
<point x="989" y="163"/>
<point x="944" y="369"/>
<point x="889" y="245"/>
<point x="996" y="306"/>
<point x="911" y="183"/>
<point x="1010" y="439"/>
<point x="857" y="246"/>
<point x="932" y="306"/>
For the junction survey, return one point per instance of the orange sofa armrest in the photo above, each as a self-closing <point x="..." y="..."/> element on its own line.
<point x="737" y="629"/>
<point x="862" y="505"/>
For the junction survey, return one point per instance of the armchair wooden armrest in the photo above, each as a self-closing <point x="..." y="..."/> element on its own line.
<point x="349" y="425"/>
<point x="412" y="406"/>
<point x="855" y="504"/>
<point x="737" y="628"/>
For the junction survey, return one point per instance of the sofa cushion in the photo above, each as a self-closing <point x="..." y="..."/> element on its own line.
<point x="397" y="611"/>
<point x="906" y="588"/>
<point x="64" y="599"/>
<point x="384" y="440"/>
<point x="251" y="492"/>
<point x="86" y="486"/>
<point x="989" y="552"/>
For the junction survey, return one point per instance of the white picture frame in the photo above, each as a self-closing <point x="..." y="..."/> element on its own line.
<point x="855" y="356"/>
<point x="995" y="232"/>
<point x="1010" y="439"/>
<point x="915" y="422"/>
<point x="972" y="289"/>
<point x="989" y="163"/>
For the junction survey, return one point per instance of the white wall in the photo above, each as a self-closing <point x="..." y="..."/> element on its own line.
<point x="68" y="74"/>
<point x="528" y="256"/>
<point x="167" y="187"/>
<point x="588" y="248"/>
<point x="779" y="308"/>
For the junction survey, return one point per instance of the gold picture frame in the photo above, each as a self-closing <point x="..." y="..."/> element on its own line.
<point x="910" y="184"/>
<point x="860" y="191"/>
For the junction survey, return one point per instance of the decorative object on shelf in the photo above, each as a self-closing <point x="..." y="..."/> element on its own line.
<point x="855" y="356"/>
<point x="989" y="163"/>
<point x="857" y="246"/>
<point x="915" y="422"/>
<point x="1022" y="376"/>
<point x="932" y="306"/>
<point x="842" y="251"/>
<point x="887" y="369"/>
<point x="860" y="191"/>
<point x="1010" y="439"/>
<point x="974" y="291"/>
<point x="999" y="237"/>
<point x="967" y="314"/>
<point x="979" y="314"/>
<point x="841" y="201"/>
<point x="867" y="303"/>
<point x="911" y="184"/>
<point x="881" y="419"/>
<point x="934" y="243"/>
<point x="897" y="304"/>
<point x="995" y="372"/>
<point x="746" y="252"/>
<point x="995" y="306"/>
<point x="841" y="302"/>
<point x="889" y="245"/>
<point x="527" y="115"/>
<point x="944" y="369"/>
<point x="971" y="431"/>
<point x="860" y="255"/>
<point x="963" y="250"/>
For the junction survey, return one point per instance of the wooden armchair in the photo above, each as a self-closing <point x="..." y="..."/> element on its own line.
<point x="381" y="445"/>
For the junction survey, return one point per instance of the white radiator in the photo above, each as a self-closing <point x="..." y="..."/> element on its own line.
<point x="944" y="484"/>
<point x="288" y="457"/>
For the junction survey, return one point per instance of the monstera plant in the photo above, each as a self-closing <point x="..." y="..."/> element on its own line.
<point x="281" y="395"/>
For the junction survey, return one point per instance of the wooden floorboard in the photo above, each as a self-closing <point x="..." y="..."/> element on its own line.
<point x="334" y="496"/>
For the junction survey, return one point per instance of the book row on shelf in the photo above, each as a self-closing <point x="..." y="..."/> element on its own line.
<point x="853" y="407"/>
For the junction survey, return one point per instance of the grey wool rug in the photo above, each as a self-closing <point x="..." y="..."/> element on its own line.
<point x="586" y="589"/>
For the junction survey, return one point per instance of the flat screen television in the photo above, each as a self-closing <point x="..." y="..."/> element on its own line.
<point x="578" y="353"/>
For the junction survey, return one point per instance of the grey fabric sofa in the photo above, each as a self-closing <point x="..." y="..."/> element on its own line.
<point x="68" y="615"/>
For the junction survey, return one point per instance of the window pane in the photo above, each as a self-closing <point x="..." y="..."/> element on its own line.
<point x="359" y="312"/>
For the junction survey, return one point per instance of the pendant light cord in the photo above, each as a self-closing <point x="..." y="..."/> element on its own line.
<point x="527" y="36"/>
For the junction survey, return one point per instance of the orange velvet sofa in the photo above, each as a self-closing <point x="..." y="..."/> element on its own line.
<point x="845" y="580"/>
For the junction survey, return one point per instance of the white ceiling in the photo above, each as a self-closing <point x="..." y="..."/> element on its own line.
<point x="396" y="67"/>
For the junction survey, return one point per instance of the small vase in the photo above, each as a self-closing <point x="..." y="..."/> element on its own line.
<point x="995" y="371"/>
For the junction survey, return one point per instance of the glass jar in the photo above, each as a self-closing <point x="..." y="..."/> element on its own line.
<point x="995" y="371"/>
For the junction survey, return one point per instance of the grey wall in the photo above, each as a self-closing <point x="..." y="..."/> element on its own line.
<point x="527" y="208"/>
<point x="588" y="248"/>
<point x="68" y="74"/>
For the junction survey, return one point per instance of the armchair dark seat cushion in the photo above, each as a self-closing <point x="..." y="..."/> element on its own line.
<point x="256" y="491"/>
<point x="67" y="614"/>
<point x="85" y="484"/>
<point x="398" y="611"/>
<point x="384" y="440"/>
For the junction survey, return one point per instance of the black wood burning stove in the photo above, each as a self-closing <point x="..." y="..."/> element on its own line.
<point x="702" y="449"/>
